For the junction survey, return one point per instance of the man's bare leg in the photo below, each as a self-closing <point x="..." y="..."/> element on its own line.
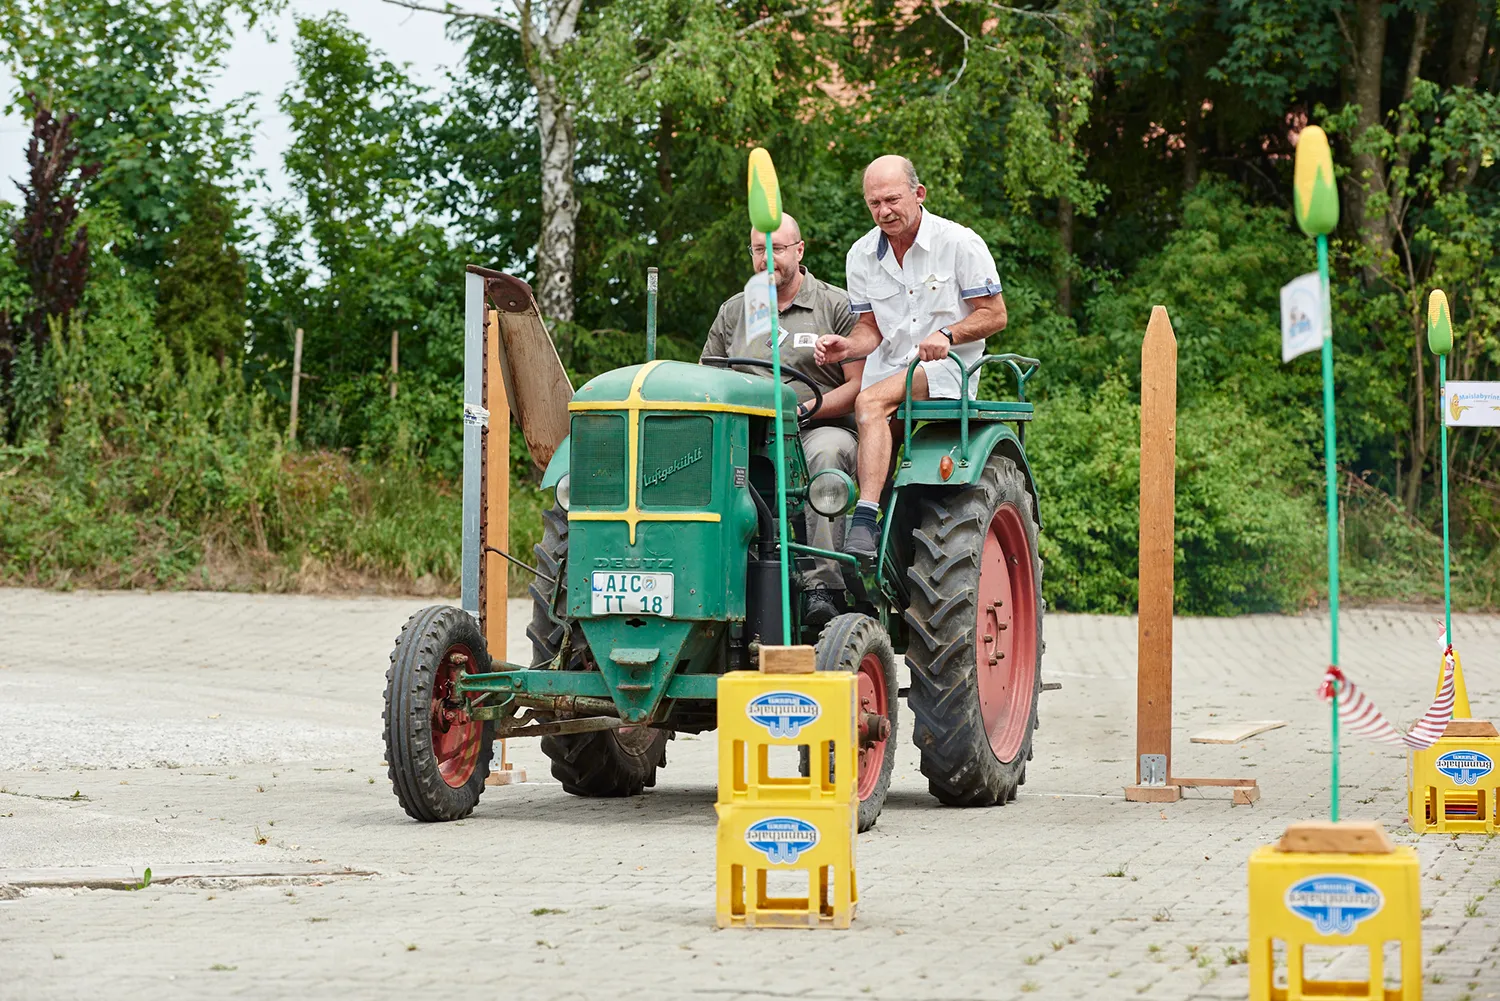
<point x="872" y="411"/>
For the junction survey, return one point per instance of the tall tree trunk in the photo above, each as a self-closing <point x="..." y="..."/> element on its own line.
<point x="542" y="45"/>
<point x="1470" y="26"/>
<point x="554" y="252"/>
<point x="1369" y="173"/>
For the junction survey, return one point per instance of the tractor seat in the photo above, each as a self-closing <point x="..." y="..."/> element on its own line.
<point x="979" y="410"/>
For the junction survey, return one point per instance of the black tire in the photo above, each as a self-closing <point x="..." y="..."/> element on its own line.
<point x="962" y="765"/>
<point x="843" y="646"/>
<point x="427" y="654"/>
<point x="604" y="763"/>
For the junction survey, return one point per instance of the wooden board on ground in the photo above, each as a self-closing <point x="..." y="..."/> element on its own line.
<point x="1233" y="733"/>
<point x="539" y="400"/>
<point x="1361" y="837"/>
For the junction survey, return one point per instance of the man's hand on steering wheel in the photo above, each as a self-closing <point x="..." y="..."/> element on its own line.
<point x="803" y="413"/>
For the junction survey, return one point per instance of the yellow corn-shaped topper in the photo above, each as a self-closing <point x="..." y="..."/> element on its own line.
<point x="1315" y="196"/>
<point x="765" y="193"/>
<point x="1439" y="323"/>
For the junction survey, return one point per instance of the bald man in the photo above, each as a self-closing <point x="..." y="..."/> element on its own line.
<point x="923" y="288"/>
<point x="809" y="309"/>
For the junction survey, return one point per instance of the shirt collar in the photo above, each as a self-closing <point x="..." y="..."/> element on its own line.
<point x="883" y="245"/>
<point x="804" y="296"/>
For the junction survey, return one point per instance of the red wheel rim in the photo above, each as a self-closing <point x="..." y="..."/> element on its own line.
<point x="455" y="737"/>
<point x="1005" y="633"/>
<point x="873" y="698"/>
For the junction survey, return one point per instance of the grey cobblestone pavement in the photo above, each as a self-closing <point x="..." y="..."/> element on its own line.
<point x="175" y="730"/>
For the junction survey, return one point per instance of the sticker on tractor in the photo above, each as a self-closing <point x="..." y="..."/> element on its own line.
<point x="476" y="416"/>
<point x="782" y="839"/>
<point x="783" y="714"/>
<point x="1334" y="904"/>
<point x="1465" y="768"/>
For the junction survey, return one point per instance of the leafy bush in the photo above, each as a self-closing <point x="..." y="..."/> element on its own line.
<point x="1246" y="524"/>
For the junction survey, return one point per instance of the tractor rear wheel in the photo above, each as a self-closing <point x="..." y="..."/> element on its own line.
<point x="438" y="757"/>
<point x="603" y="763"/>
<point x="855" y="642"/>
<point x="976" y="623"/>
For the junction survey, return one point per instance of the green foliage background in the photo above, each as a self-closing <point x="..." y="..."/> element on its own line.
<point x="1115" y="156"/>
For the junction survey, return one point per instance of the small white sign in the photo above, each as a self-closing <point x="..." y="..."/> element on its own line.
<point x="476" y="416"/>
<point x="1472" y="404"/>
<point x="758" y="309"/>
<point x="1304" y="316"/>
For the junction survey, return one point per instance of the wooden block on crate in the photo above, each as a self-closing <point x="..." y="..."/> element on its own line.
<point x="1471" y="728"/>
<point x="1354" y="837"/>
<point x="786" y="660"/>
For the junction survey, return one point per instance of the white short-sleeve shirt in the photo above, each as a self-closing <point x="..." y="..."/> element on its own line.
<point x="947" y="265"/>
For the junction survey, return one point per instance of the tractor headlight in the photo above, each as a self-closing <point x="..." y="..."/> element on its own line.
<point x="564" y="491"/>
<point x="831" y="493"/>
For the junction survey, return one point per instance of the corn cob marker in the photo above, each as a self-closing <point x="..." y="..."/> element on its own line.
<point x="765" y="218"/>
<point x="1316" y="203"/>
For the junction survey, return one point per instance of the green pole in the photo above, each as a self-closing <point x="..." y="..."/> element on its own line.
<point x="1447" y="563"/>
<point x="1316" y="204"/>
<point x="1330" y="469"/>
<point x="765" y="218"/>
<point x="781" y="518"/>
<point x="650" y="314"/>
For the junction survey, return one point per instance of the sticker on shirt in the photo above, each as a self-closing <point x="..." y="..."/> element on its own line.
<point x="804" y="340"/>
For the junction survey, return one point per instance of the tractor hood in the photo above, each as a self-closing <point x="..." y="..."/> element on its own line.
<point x="704" y="386"/>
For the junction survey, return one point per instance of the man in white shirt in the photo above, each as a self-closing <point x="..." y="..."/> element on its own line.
<point x="923" y="287"/>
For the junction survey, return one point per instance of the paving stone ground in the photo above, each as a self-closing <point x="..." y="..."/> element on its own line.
<point x="174" y="730"/>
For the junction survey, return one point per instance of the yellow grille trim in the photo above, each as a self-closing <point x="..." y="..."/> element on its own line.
<point x="632" y="515"/>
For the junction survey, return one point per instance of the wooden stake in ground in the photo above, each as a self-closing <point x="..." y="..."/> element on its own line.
<point x="1153" y="735"/>
<point x="495" y="521"/>
<point x="395" y="359"/>
<point x="291" y="433"/>
<point x="1154" y="780"/>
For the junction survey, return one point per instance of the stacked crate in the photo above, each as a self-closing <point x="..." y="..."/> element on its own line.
<point x="774" y="824"/>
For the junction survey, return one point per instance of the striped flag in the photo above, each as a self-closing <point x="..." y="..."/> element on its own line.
<point x="1359" y="714"/>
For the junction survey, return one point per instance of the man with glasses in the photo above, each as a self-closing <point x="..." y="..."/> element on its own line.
<point x="810" y="309"/>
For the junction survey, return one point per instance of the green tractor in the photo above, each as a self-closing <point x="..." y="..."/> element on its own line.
<point x="658" y="571"/>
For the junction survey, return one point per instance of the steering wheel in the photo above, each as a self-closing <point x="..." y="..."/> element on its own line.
<point x="802" y="415"/>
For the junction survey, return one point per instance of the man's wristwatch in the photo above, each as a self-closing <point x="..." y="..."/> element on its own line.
<point x="946" y="332"/>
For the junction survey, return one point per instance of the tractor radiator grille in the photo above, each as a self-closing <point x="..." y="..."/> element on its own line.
<point x="598" y="460"/>
<point x="677" y="467"/>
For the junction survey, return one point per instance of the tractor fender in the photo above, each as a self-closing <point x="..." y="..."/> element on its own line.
<point x="557" y="466"/>
<point x="935" y="439"/>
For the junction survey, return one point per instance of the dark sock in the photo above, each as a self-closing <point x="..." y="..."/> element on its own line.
<point x="864" y="514"/>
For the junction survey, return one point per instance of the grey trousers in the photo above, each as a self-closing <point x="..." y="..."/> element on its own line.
<point x="828" y="448"/>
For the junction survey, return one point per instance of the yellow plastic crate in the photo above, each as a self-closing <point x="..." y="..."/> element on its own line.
<point x="760" y="711"/>
<point x="759" y="842"/>
<point x="1453" y="787"/>
<point x="1334" y="899"/>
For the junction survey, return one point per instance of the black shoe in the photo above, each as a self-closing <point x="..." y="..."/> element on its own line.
<point x="862" y="541"/>
<point x="820" y="608"/>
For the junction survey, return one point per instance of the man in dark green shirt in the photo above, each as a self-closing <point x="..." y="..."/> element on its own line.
<point x="809" y="308"/>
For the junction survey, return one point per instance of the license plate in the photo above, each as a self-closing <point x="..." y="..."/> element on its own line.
<point x="616" y="593"/>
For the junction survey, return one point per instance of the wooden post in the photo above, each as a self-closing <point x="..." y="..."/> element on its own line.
<point x="496" y="518"/>
<point x="291" y="433"/>
<point x="1154" y="778"/>
<point x="1153" y="741"/>
<point x="395" y="359"/>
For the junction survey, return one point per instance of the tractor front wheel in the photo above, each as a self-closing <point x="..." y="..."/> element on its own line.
<point x="603" y="763"/>
<point x="856" y="643"/>
<point x="976" y="624"/>
<point x="438" y="757"/>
